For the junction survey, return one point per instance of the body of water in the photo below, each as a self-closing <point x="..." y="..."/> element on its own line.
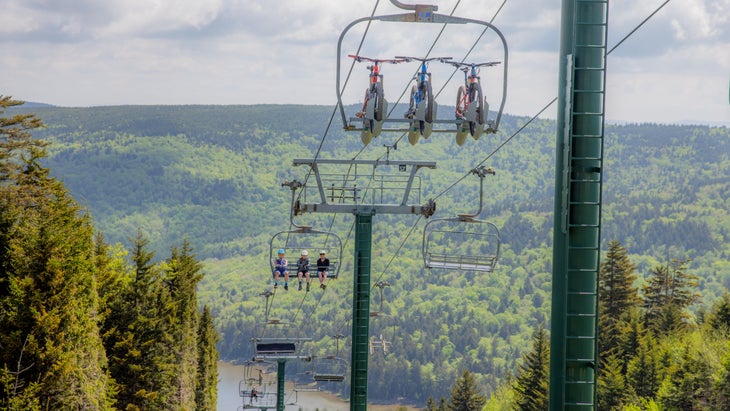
<point x="229" y="399"/>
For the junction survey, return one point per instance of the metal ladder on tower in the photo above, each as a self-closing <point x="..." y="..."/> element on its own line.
<point x="585" y="154"/>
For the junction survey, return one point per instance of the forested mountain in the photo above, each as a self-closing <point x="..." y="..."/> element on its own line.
<point x="213" y="174"/>
<point x="81" y="326"/>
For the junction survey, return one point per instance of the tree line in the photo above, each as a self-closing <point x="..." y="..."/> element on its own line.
<point x="654" y="354"/>
<point x="85" y="324"/>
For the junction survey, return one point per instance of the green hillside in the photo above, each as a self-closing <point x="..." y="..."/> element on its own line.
<point x="214" y="174"/>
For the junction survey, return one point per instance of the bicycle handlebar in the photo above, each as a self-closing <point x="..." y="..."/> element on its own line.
<point x="459" y="64"/>
<point x="423" y="59"/>
<point x="360" y="59"/>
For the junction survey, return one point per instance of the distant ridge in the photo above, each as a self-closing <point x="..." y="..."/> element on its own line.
<point x="33" y="104"/>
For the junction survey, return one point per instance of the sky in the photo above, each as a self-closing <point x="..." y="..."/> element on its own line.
<point x="674" y="69"/>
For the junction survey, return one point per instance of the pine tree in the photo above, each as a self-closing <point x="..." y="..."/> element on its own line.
<point x="611" y="387"/>
<point x="182" y="277"/>
<point x="642" y="373"/>
<point x="465" y="394"/>
<point x="617" y="295"/>
<point x="206" y="391"/>
<point x="531" y="383"/>
<point x="49" y="297"/>
<point x="668" y="294"/>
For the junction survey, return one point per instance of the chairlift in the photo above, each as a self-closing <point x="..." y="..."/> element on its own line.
<point x="464" y="242"/>
<point x="275" y="341"/>
<point x="329" y="369"/>
<point x="257" y="390"/>
<point x="293" y="242"/>
<point x="382" y="325"/>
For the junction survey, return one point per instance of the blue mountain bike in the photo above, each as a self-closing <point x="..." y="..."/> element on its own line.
<point x="422" y="108"/>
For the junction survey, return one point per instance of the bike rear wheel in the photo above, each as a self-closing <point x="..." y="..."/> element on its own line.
<point x="379" y="101"/>
<point x="475" y="97"/>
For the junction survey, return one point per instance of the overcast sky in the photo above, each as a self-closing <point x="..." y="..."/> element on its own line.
<point x="674" y="69"/>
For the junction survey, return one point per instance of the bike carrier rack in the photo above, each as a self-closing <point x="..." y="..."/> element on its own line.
<point x="421" y="14"/>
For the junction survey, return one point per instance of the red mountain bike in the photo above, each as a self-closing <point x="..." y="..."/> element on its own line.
<point x="471" y="105"/>
<point x="374" y="105"/>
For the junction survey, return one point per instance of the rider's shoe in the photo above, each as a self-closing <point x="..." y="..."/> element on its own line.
<point x="286" y="287"/>
<point x="307" y="286"/>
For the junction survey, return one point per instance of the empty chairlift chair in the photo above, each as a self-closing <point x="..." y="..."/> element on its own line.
<point x="464" y="242"/>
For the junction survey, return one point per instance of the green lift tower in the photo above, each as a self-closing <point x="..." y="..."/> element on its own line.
<point x="577" y="219"/>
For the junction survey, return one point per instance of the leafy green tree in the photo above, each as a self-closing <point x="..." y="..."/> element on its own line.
<point x="721" y="385"/>
<point x="686" y="386"/>
<point x="465" y="394"/>
<point x="531" y="382"/>
<point x="670" y="291"/>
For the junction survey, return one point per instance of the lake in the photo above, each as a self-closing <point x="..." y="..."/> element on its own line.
<point x="229" y="376"/>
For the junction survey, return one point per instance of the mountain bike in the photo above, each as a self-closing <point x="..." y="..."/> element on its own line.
<point x="374" y="104"/>
<point x="471" y="105"/>
<point x="422" y="108"/>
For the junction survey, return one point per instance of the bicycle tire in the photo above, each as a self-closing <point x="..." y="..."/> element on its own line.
<point x="475" y="96"/>
<point x="461" y="102"/>
<point x="411" y="113"/>
<point x="429" y="100"/>
<point x="379" y="102"/>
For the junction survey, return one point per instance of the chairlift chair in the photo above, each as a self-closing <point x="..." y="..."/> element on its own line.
<point x="383" y="325"/>
<point x="464" y="242"/>
<point x="329" y="369"/>
<point x="314" y="241"/>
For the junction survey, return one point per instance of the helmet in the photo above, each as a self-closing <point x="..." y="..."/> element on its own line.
<point x="305" y="252"/>
<point x="281" y="251"/>
<point x="322" y="252"/>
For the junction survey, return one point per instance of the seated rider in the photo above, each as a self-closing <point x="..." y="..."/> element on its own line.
<point x="323" y="266"/>
<point x="303" y="268"/>
<point x="280" y="268"/>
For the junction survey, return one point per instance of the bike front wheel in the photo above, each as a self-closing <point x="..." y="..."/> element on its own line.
<point x="427" y="94"/>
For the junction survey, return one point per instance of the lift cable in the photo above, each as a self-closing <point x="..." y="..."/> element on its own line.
<point x="549" y="103"/>
<point x="522" y="127"/>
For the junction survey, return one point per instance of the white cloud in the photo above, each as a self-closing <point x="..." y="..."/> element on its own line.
<point x="89" y="52"/>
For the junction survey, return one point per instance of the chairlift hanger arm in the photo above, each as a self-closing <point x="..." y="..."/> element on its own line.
<point x="418" y="17"/>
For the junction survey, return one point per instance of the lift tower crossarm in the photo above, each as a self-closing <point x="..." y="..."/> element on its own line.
<point x="323" y="206"/>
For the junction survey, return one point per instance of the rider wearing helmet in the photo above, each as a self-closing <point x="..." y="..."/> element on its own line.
<point x="280" y="268"/>
<point x="303" y="268"/>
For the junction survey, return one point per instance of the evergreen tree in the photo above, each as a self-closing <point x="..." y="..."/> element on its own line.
<point x="48" y="297"/>
<point x="182" y="277"/>
<point x="617" y="295"/>
<point x="206" y="391"/>
<point x="611" y="387"/>
<point x="642" y="373"/>
<point x="668" y="294"/>
<point x="531" y="383"/>
<point x="465" y="394"/>
<point x="719" y="318"/>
